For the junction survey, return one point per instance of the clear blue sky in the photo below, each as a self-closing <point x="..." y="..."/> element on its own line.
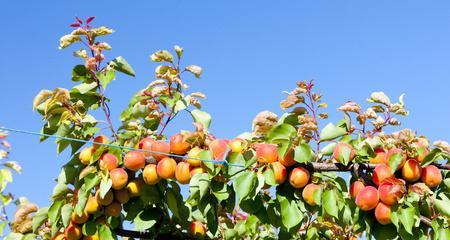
<point x="251" y="51"/>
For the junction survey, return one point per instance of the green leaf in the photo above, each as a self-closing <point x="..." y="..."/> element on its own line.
<point x="406" y="217"/>
<point x="121" y="65"/>
<point x="235" y="158"/>
<point x="269" y="177"/>
<point x="303" y="153"/>
<point x="281" y="132"/>
<point x="54" y="212"/>
<point x="330" y="132"/>
<point x="329" y="203"/>
<point x="244" y="184"/>
<point x="81" y="73"/>
<point x="85" y="87"/>
<point x="105" y="233"/>
<point x="210" y="166"/>
<point x="106" y="77"/>
<point x="91" y="180"/>
<point x="201" y="117"/>
<point x="431" y="157"/>
<point x="146" y="219"/>
<point x="443" y="206"/>
<point x="291" y="215"/>
<point x="39" y="218"/>
<point x="394" y="161"/>
<point x="105" y="186"/>
<point x="66" y="213"/>
<point x="328" y="149"/>
<point x="220" y="190"/>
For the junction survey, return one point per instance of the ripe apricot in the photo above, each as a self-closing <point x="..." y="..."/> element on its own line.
<point x="219" y="148"/>
<point x="107" y="199"/>
<point x="380" y="173"/>
<point x="355" y="188"/>
<point x="134" y="160"/>
<point x="59" y="236"/>
<point x="166" y="168"/>
<point x="383" y="213"/>
<point x="134" y="187"/>
<point x="422" y="154"/>
<point x="393" y="151"/>
<point x="92" y="205"/>
<point x="79" y="219"/>
<point x="119" y="178"/>
<point x="193" y="156"/>
<point x="431" y="176"/>
<point x="197" y="229"/>
<point x="178" y="145"/>
<point x="122" y="195"/>
<point x="237" y="145"/>
<point x="342" y="149"/>
<point x="101" y="139"/>
<point x="288" y="159"/>
<point x="380" y="156"/>
<point x="91" y="237"/>
<point x="266" y="153"/>
<point x="146" y="144"/>
<point x="390" y="192"/>
<point x="279" y="172"/>
<point x="150" y="175"/>
<point x="113" y="209"/>
<point x="86" y="154"/>
<point x="162" y="148"/>
<point x="73" y="232"/>
<point x="411" y="171"/>
<point x="299" y="177"/>
<point x="108" y="161"/>
<point x="196" y="171"/>
<point x="182" y="172"/>
<point x="308" y="193"/>
<point x="367" y="199"/>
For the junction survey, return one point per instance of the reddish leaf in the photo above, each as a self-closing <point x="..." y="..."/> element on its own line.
<point x="79" y="20"/>
<point x="90" y="19"/>
<point x="75" y="25"/>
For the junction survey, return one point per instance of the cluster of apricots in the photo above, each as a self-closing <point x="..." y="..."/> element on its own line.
<point x="389" y="186"/>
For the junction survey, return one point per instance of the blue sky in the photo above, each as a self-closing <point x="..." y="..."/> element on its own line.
<point x="251" y="51"/>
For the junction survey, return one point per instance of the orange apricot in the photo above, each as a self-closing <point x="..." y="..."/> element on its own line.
<point x="193" y="155"/>
<point x="367" y="199"/>
<point x="391" y="192"/>
<point x="86" y="154"/>
<point x="355" y="188"/>
<point x="122" y="195"/>
<point x="380" y="156"/>
<point x="197" y="229"/>
<point x="279" y="171"/>
<point x="341" y="149"/>
<point x="411" y="171"/>
<point x="308" y="193"/>
<point x="288" y="159"/>
<point x="113" y="209"/>
<point x="92" y="205"/>
<point x="219" y="148"/>
<point x="150" y="175"/>
<point x="299" y="177"/>
<point x="162" y="148"/>
<point x="166" y="168"/>
<point x="383" y="213"/>
<point x="135" y="186"/>
<point x="108" y="161"/>
<point x="119" y="178"/>
<point x="146" y="144"/>
<point x="134" y="160"/>
<point x="431" y="176"/>
<point x="73" y="232"/>
<point x="178" y="145"/>
<point x="266" y="153"/>
<point x="380" y="173"/>
<point x="182" y="172"/>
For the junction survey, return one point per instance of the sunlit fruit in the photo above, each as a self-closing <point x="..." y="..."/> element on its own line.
<point x="86" y="154"/>
<point x="193" y="156"/>
<point x="411" y="171"/>
<point x="299" y="177"/>
<point x="161" y="150"/>
<point x="135" y="186"/>
<point x="108" y="161"/>
<point x="182" y="172"/>
<point x="237" y="145"/>
<point x="343" y="152"/>
<point x="119" y="178"/>
<point x="380" y="156"/>
<point x="197" y="229"/>
<point x="134" y="160"/>
<point x="391" y="192"/>
<point x="431" y="176"/>
<point x="166" y="168"/>
<point x="367" y="199"/>
<point x="355" y="188"/>
<point x="393" y="151"/>
<point x="122" y="195"/>
<point x="279" y="172"/>
<point x="73" y="232"/>
<point x="196" y="170"/>
<point x="92" y="205"/>
<point x="178" y="145"/>
<point x="219" y="148"/>
<point x="383" y="213"/>
<point x="101" y="139"/>
<point x="308" y="193"/>
<point x="266" y="153"/>
<point x="146" y="144"/>
<point x="288" y="159"/>
<point x="79" y="219"/>
<point x="113" y="209"/>
<point x="150" y="175"/>
<point x="91" y="237"/>
<point x="380" y="173"/>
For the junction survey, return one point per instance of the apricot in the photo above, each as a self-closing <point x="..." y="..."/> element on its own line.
<point x="113" y="209"/>
<point x="108" y="161"/>
<point x="122" y="195"/>
<point x="422" y="155"/>
<point x="101" y="139"/>
<point x="134" y="160"/>
<point x="341" y="149"/>
<point x="91" y="237"/>
<point x="390" y="192"/>
<point x="431" y="176"/>
<point x="380" y="173"/>
<point x="411" y="171"/>
<point x="146" y="144"/>
<point x="92" y="205"/>
<point x="266" y="153"/>
<point x="73" y="232"/>
<point x="380" y="156"/>
<point x="193" y="155"/>
<point x="119" y="178"/>
<point x="237" y="145"/>
<point x="150" y="175"/>
<point x="182" y="172"/>
<point x="308" y="193"/>
<point x="393" y="151"/>
<point x="197" y="229"/>
<point x="178" y="145"/>
<point x="79" y="219"/>
<point x="299" y="177"/>
<point x="279" y="172"/>
<point x="86" y="154"/>
<point x="288" y="159"/>
<point x="367" y="199"/>
<point x="134" y="187"/>
<point x="196" y="171"/>
<point x="166" y="168"/>
<point x="383" y="213"/>
<point x="107" y="199"/>
<point x="219" y="148"/>
<point x="355" y="188"/>
<point x="162" y="148"/>
<point x="59" y="236"/>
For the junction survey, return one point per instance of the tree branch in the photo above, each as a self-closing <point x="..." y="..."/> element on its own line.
<point x="147" y="235"/>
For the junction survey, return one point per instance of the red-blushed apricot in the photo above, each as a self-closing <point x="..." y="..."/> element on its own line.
<point x="119" y="178"/>
<point x="146" y="144"/>
<point x="101" y="139"/>
<point x="86" y="154"/>
<point x="162" y="148"/>
<point x="237" y="145"/>
<point x="182" y="172"/>
<point x="218" y="148"/>
<point x="79" y="219"/>
<point x="308" y="193"/>
<point x="367" y="199"/>
<point x="73" y="232"/>
<point x="92" y="205"/>
<point x="380" y="173"/>
<point x="299" y="177"/>
<point x="288" y="159"/>
<point x="196" y="170"/>
<point x="341" y="149"/>
<point x="91" y="237"/>
<point x="122" y="195"/>
<point x="150" y="175"/>
<point x="134" y="160"/>
<point x="391" y="191"/>
<point x="178" y="145"/>
<point x="197" y="229"/>
<point x="422" y="153"/>
<point x="355" y="188"/>
<point x="393" y="151"/>
<point x="113" y="209"/>
<point x="166" y="168"/>
<point x="135" y="186"/>
<point x="431" y="176"/>
<point x="380" y="156"/>
<point x="59" y="236"/>
<point x="108" y="161"/>
<point x="193" y="155"/>
<point x="411" y="171"/>
<point x="266" y="153"/>
<point x="107" y="199"/>
<point x="383" y="213"/>
<point x="279" y="171"/>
